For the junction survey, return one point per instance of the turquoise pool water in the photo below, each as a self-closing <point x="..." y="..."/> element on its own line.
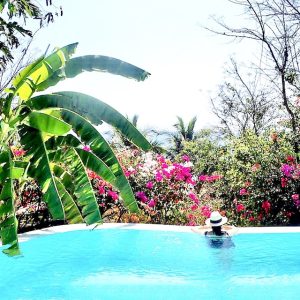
<point x="145" y="264"/>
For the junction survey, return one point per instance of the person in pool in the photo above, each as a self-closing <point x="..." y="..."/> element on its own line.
<point x="215" y="221"/>
<point x="216" y="237"/>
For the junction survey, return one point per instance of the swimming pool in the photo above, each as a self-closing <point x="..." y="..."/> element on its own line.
<point x="122" y="264"/>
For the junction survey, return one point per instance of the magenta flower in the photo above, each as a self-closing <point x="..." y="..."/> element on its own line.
<point x="86" y="148"/>
<point x="240" y="207"/>
<point x="101" y="190"/>
<point x="151" y="203"/>
<point x="185" y="158"/>
<point x="158" y="177"/>
<point x="194" y="207"/>
<point x="194" y="198"/>
<point x="243" y="192"/>
<point x="161" y="159"/>
<point x="287" y="170"/>
<point x="164" y="165"/>
<point x="113" y="195"/>
<point x="284" y="182"/>
<point x="149" y="185"/>
<point x="290" y="159"/>
<point x="202" y="177"/>
<point x="191" y="181"/>
<point x="141" y="196"/>
<point x="166" y="173"/>
<point x="266" y="205"/>
<point x="295" y="197"/>
<point x="18" y="152"/>
<point x="205" y="210"/>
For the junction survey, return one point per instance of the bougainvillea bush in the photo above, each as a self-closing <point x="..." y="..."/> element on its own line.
<point x="260" y="180"/>
<point x="31" y="210"/>
<point x="254" y="181"/>
<point x="169" y="192"/>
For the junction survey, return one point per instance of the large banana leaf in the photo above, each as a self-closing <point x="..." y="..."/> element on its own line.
<point x="83" y="190"/>
<point x="34" y="144"/>
<point x="26" y="81"/>
<point x="8" y="222"/>
<point x="89" y="159"/>
<point x="47" y="123"/>
<point x="89" y="63"/>
<point x="99" y="146"/>
<point x="71" y="210"/>
<point x="94" y="110"/>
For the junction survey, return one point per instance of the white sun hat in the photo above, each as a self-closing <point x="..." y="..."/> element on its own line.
<point x="215" y="219"/>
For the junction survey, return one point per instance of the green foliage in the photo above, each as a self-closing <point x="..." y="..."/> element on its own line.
<point x="251" y="187"/>
<point x="204" y="151"/>
<point x="53" y="131"/>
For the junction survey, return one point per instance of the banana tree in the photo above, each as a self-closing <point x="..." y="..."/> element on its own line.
<point x="52" y="129"/>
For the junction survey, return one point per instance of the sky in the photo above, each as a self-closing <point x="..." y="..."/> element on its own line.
<point x="166" y="38"/>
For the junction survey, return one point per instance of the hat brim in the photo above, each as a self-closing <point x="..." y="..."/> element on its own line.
<point x="223" y="221"/>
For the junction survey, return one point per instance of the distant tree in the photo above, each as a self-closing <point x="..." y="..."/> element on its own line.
<point x="15" y="36"/>
<point x="184" y="132"/>
<point x="119" y="140"/>
<point x="274" y="26"/>
<point x="242" y="104"/>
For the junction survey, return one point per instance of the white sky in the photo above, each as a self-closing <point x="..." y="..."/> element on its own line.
<point x="164" y="37"/>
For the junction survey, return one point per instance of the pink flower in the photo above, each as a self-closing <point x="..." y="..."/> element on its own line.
<point x="141" y="196"/>
<point x="158" y="177"/>
<point x="161" y="159"/>
<point x="92" y="175"/>
<point x="290" y="159"/>
<point x="202" y="177"/>
<point x="251" y="219"/>
<point x="287" y="170"/>
<point x="243" y="192"/>
<point x="113" y="195"/>
<point x="18" y="152"/>
<point x="210" y="178"/>
<point x="297" y="203"/>
<point x="190" y="181"/>
<point x="192" y="223"/>
<point x="194" y="207"/>
<point x="194" y="198"/>
<point x="266" y="205"/>
<point x="101" y="190"/>
<point x="127" y="173"/>
<point x="185" y="158"/>
<point x="295" y="197"/>
<point x="284" y="182"/>
<point x="149" y="185"/>
<point x="191" y="217"/>
<point x="166" y="173"/>
<point x="240" y="207"/>
<point x="151" y="203"/>
<point x="86" y="148"/>
<point x="205" y="210"/>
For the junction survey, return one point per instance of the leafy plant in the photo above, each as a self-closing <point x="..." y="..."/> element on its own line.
<point x="53" y="130"/>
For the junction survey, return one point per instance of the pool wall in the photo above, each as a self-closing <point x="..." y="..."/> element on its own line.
<point x="63" y="228"/>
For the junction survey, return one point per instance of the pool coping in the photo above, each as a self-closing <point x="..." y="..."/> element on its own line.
<point x="65" y="228"/>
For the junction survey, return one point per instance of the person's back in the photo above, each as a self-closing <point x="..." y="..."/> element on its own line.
<point x="216" y="231"/>
<point x="216" y="237"/>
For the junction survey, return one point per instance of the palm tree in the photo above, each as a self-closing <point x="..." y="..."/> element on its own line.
<point x="53" y="130"/>
<point x="183" y="133"/>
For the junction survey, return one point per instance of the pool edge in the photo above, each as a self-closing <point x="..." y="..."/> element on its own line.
<point x="64" y="228"/>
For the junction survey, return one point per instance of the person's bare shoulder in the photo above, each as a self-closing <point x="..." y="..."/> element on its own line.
<point x="230" y="229"/>
<point x="201" y="229"/>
